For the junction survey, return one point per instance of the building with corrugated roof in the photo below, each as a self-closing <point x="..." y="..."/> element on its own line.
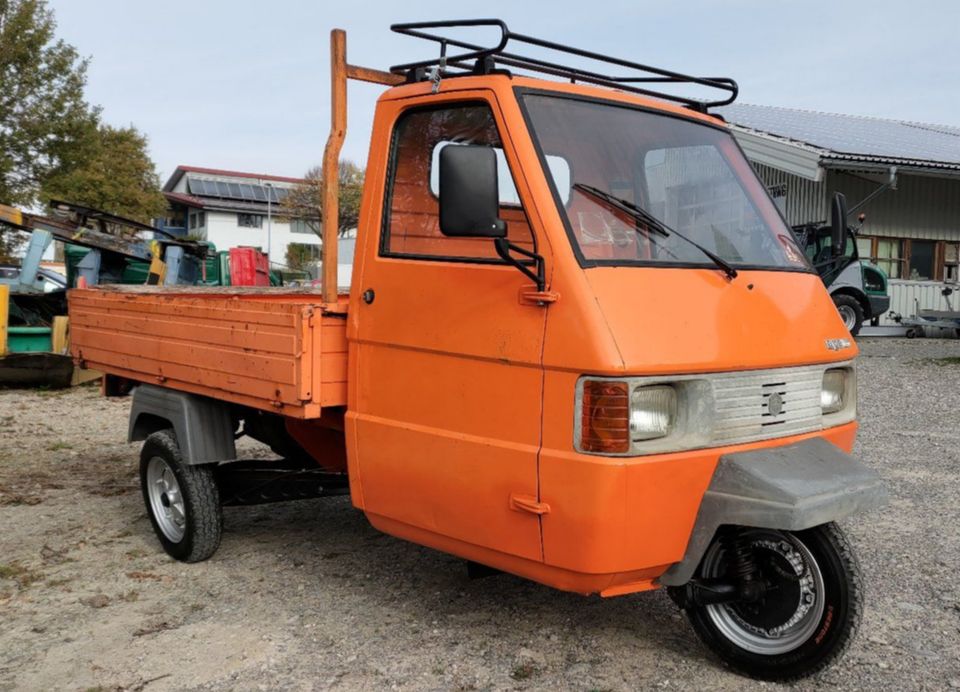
<point x="908" y="173"/>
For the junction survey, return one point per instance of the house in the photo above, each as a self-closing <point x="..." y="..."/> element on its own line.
<point x="905" y="174"/>
<point x="232" y="208"/>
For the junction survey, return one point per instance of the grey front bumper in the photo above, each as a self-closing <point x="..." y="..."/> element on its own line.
<point x="795" y="487"/>
<point x="878" y="305"/>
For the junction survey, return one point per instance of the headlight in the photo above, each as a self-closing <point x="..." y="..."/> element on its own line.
<point x="834" y="391"/>
<point x="652" y="412"/>
<point x="614" y="415"/>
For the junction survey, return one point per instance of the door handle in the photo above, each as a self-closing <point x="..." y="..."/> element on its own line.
<point x="528" y="503"/>
<point x="368" y="296"/>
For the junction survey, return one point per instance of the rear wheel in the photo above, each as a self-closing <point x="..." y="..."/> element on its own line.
<point x="183" y="501"/>
<point x="850" y="311"/>
<point x="809" y="611"/>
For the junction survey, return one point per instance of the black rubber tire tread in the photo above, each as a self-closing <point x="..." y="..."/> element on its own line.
<point x="201" y="499"/>
<point x="833" y="636"/>
<point x="854" y="305"/>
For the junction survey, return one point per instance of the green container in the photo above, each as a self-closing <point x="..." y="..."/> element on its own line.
<point x="29" y="339"/>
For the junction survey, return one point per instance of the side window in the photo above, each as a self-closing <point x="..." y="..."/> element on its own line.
<point x="412" y="220"/>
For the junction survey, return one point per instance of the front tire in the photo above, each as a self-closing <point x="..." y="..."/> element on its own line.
<point x="851" y="312"/>
<point x="183" y="501"/>
<point x="808" y="616"/>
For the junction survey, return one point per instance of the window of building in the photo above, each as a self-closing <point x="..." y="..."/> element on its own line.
<point x="193" y="221"/>
<point x="305" y="226"/>
<point x="922" y="254"/>
<point x="250" y="220"/>
<point x="888" y="256"/>
<point x="201" y="219"/>
<point x="951" y="261"/>
<point x="412" y="222"/>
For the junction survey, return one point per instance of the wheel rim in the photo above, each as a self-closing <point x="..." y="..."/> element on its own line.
<point x="848" y="315"/>
<point x="166" y="500"/>
<point x="797" y="599"/>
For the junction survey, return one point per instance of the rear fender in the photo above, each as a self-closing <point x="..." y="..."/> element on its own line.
<point x="203" y="426"/>
<point x="792" y="488"/>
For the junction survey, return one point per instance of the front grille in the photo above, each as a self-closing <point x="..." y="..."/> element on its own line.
<point x="761" y="404"/>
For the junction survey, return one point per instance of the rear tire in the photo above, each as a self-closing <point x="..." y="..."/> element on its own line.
<point x="183" y="501"/>
<point x="821" y="597"/>
<point x="851" y="312"/>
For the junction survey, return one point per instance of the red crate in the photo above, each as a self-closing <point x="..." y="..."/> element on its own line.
<point x="248" y="267"/>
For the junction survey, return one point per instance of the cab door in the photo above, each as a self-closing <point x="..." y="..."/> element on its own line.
<point x="445" y="358"/>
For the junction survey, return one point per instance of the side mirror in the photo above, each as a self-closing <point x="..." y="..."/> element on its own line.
<point x="838" y="224"/>
<point x="469" y="195"/>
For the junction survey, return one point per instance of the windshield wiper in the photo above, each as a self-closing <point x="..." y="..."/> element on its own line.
<point x="652" y="222"/>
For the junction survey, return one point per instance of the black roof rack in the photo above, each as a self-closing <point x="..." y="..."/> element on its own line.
<point x="485" y="60"/>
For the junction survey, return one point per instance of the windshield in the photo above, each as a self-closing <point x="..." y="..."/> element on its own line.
<point x="689" y="176"/>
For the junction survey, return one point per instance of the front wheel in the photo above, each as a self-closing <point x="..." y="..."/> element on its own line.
<point x="850" y="311"/>
<point x="809" y="611"/>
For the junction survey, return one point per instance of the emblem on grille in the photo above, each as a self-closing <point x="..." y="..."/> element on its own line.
<point x="775" y="404"/>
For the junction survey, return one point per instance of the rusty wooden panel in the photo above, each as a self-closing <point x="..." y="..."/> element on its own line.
<point x="259" y="349"/>
<point x="265" y="339"/>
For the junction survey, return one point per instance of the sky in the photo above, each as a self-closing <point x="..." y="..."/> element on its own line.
<point x="244" y="85"/>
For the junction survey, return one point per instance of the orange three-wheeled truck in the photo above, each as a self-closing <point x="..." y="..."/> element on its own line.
<point x="580" y="345"/>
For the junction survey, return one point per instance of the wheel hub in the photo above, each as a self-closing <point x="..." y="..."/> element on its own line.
<point x="792" y="600"/>
<point x="166" y="500"/>
<point x="849" y="317"/>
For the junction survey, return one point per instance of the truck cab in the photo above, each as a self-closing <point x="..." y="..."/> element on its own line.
<point x="580" y="346"/>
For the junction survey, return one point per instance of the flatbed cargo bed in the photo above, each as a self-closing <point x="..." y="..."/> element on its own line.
<point x="269" y="348"/>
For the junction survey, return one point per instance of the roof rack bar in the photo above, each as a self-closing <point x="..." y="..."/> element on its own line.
<point x="648" y="73"/>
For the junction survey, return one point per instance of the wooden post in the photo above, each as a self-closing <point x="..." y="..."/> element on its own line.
<point x="330" y="210"/>
<point x="60" y="334"/>
<point x="4" y="317"/>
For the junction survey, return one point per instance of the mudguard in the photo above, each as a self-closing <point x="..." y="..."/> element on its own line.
<point x="795" y="487"/>
<point x="203" y="426"/>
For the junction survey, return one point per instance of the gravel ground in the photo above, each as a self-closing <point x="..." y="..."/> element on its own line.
<point x="307" y="595"/>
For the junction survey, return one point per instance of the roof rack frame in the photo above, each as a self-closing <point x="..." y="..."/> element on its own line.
<point x="486" y="59"/>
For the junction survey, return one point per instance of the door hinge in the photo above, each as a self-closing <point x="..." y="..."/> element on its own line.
<point x="529" y="295"/>
<point x="528" y="503"/>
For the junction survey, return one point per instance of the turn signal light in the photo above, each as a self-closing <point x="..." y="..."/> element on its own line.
<point x="605" y="417"/>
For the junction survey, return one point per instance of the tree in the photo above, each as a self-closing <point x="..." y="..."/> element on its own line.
<point x="305" y="201"/>
<point x="45" y="123"/>
<point x="52" y="143"/>
<point x="116" y="175"/>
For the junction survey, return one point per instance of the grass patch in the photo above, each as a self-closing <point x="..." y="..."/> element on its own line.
<point x="57" y="446"/>
<point x="23" y="576"/>
<point x="523" y="671"/>
<point x="949" y="360"/>
<point x="59" y="582"/>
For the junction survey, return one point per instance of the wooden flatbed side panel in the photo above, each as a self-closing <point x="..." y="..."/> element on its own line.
<point x="259" y="349"/>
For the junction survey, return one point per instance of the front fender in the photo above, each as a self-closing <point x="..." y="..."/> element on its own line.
<point x="794" y="487"/>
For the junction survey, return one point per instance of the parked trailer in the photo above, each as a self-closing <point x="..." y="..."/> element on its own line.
<point x="580" y="346"/>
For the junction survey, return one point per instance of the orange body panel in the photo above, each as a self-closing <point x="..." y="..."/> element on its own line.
<point x="439" y="405"/>
<point x="272" y="350"/>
